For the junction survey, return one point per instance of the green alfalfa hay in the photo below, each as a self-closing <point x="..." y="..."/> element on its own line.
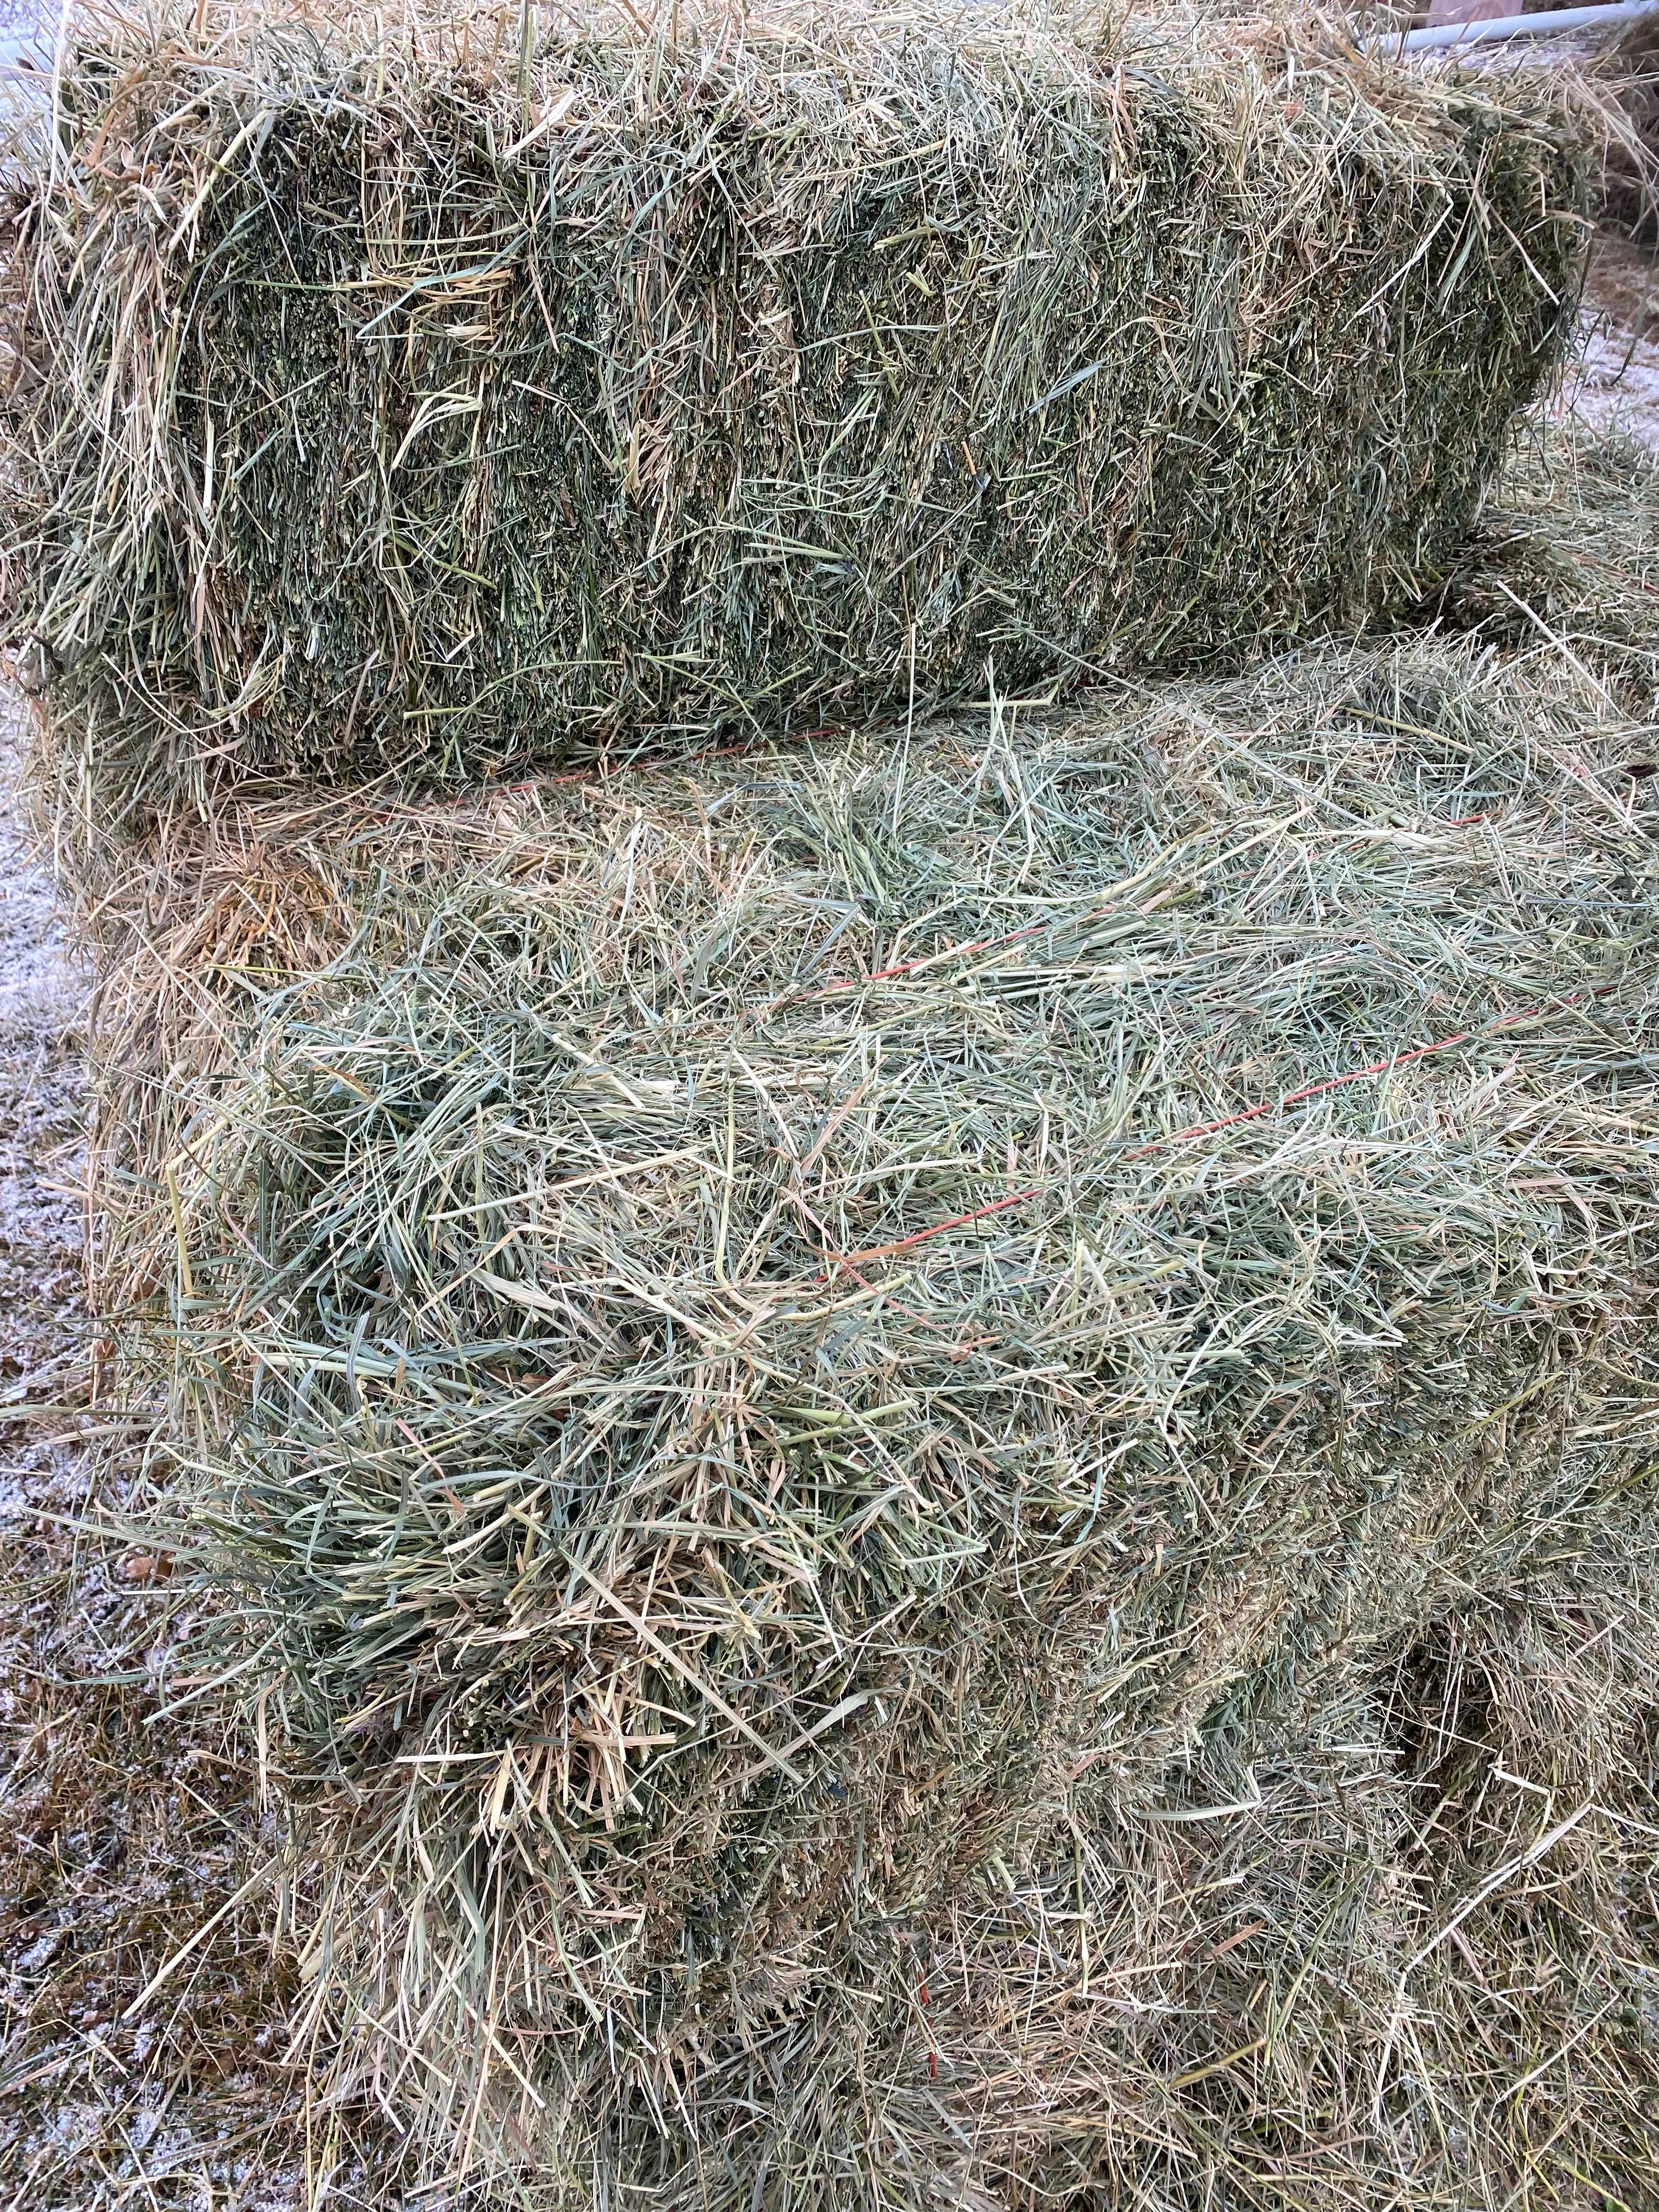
<point x="1195" y="1597"/>
<point x="390" y="391"/>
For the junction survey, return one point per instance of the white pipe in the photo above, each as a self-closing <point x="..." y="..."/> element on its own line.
<point x="1439" y="37"/>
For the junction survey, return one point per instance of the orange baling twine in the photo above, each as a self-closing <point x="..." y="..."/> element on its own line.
<point x="601" y="771"/>
<point x="856" y="1260"/>
<point x="1358" y="1074"/>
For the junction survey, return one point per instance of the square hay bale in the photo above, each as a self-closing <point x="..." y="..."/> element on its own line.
<point x="932" y="1461"/>
<point x="449" y="390"/>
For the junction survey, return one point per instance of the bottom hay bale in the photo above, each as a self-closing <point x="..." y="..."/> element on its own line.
<point x="931" y="1463"/>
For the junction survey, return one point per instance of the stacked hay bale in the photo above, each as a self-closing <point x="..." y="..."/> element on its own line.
<point x="450" y="392"/>
<point x="924" y="1457"/>
<point x="928" y="1447"/>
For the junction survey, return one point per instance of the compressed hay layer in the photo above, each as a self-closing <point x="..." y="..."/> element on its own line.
<point x="886" y="1593"/>
<point x="388" y="391"/>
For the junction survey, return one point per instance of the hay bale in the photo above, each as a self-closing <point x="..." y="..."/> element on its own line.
<point x="1624" y="184"/>
<point x="901" y="1434"/>
<point x="391" y="391"/>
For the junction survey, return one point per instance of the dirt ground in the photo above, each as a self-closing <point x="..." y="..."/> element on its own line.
<point x="121" y="1831"/>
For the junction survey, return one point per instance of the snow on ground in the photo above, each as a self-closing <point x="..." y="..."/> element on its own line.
<point x="1616" y="387"/>
<point x="1615" y="384"/>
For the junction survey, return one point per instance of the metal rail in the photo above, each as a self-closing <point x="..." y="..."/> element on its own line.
<point x="1553" y="22"/>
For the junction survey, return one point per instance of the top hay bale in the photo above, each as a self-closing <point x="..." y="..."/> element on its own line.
<point x="440" y="391"/>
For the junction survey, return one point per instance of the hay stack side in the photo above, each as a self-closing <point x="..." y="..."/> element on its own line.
<point x="1630" y="164"/>
<point x="872" y="1584"/>
<point x="390" y="391"/>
